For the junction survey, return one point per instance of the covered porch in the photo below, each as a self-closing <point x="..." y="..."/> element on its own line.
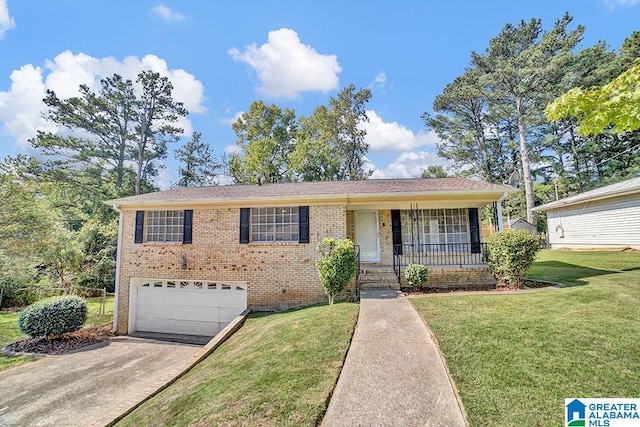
<point x="444" y="235"/>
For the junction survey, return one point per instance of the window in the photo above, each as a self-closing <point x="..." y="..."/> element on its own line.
<point x="435" y="226"/>
<point x="274" y="224"/>
<point x="164" y="226"/>
<point x="281" y="224"/>
<point x="171" y="226"/>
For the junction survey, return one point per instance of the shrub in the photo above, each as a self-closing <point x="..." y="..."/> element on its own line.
<point x="16" y="295"/>
<point x="416" y="275"/>
<point x="510" y="254"/>
<point x="336" y="265"/>
<point x="53" y="317"/>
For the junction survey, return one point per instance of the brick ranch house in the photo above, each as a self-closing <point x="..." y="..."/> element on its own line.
<point x="191" y="259"/>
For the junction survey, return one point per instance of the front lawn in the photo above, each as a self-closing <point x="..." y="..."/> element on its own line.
<point x="279" y="369"/>
<point x="10" y="333"/>
<point x="514" y="358"/>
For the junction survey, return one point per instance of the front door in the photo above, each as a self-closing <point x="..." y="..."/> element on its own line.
<point x="367" y="237"/>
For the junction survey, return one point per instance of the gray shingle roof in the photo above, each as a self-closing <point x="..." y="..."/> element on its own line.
<point x="629" y="186"/>
<point x="277" y="191"/>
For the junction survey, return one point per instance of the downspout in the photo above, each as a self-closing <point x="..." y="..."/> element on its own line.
<point x="117" y="278"/>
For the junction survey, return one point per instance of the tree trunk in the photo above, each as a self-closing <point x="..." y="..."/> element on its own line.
<point x="140" y="166"/>
<point x="576" y="159"/>
<point x="526" y="167"/>
<point x="120" y="170"/>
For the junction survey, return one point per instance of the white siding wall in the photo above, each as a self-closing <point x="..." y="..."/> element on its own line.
<point x="612" y="222"/>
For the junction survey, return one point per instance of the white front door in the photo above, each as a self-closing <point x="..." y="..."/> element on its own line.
<point x="367" y="237"/>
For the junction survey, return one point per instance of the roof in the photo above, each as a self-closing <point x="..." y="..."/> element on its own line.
<point x="514" y="221"/>
<point x="630" y="186"/>
<point x="319" y="191"/>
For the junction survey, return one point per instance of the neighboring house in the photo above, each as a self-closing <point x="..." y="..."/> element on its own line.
<point x="191" y="259"/>
<point x="607" y="217"/>
<point x="521" y="224"/>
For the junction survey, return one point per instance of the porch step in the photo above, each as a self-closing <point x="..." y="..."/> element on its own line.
<point x="379" y="285"/>
<point x="378" y="277"/>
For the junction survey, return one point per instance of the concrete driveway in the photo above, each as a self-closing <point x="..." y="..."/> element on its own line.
<point x="90" y="387"/>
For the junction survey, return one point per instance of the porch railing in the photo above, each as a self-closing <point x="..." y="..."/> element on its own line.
<point x="438" y="254"/>
<point x="357" y="270"/>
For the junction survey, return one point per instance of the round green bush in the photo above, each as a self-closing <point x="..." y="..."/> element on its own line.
<point x="52" y="317"/>
<point x="510" y="254"/>
<point x="336" y="265"/>
<point x="416" y="275"/>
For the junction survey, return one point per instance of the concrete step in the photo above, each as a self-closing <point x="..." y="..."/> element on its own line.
<point x="378" y="277"/>
<point x="379" y="285"/>
<point x="374" y="269"/>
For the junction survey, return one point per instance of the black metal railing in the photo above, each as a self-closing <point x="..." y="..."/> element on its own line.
<point x="397" y="261"/>
<point x="439" y="254"/>
<point x="357" y="270"/>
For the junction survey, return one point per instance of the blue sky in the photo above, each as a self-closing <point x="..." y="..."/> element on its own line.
<point x="222" y="56"/>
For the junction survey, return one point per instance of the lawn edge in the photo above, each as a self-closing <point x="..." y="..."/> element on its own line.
<point x="346" y="353"/>
<point x="210" y="347"/>
<point x="446" y="368"/>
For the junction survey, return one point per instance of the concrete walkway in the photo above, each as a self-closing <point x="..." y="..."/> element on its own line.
<point x="393" y="374"/>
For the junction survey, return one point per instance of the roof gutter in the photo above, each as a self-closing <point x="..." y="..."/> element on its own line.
<point x="561" y="204"/>
<point x="318" y="199"/>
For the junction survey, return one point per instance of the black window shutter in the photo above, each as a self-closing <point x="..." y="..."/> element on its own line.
<point x="187" y="231"/>
<point x="474" y="227"/>
<point x="244" y="225"/>
<point x="139" y="227"/>
<point x="303" y="224"/>
<point x="396" y="231"/>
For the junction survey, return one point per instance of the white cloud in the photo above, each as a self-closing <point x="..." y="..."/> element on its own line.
<point x="392" y="136"/>
<point x="21" y="106"/>
<point x="379" y="82"/>
<point x="228" y="121"/>
<point x="165" y="178"/>
<point x="6" y="21"/>
<point x="167" y="14"/>
<point x="614" y="3"/>
<point x="409" y="164"/>
<point x="286" y="67"/>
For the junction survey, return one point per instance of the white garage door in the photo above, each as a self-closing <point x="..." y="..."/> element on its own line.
<point x="187" y="306"/>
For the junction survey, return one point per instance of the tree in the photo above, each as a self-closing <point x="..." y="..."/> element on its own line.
<point x="107" y="129"/>
<point x="346" y="113"/>
<point x="571" y="157"/>
<point x="330" y="143"/>
<point x="336" y="265"/>
<point x="434" y="171"/>
<point x="476" y="141"/>
<point x="520" y="70"/>
<point x="104" y="120"/>
<point x="314" y="157"/>
<point x="629" y="51"/>
<point x="33" y="235"/>
<point x="612" y="107"/>
<point x="266" y="137"/>
<point x="157" y="114"/>
<point x="198" y="165"/>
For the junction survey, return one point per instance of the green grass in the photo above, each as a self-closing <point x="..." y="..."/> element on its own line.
<point x="514" y="358"/>
<point x="279" y="369"/>
<point x="10" y="333"/>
